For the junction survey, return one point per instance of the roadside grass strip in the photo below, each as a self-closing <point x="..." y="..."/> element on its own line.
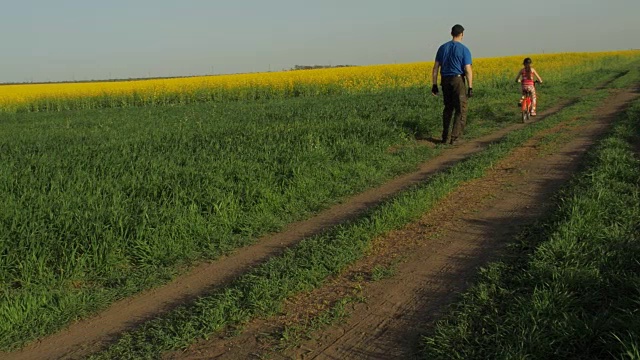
<point x="570" y="287"/>
<point x="262" y="291"/>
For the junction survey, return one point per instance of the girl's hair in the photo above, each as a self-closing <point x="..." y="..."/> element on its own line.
<point x="527" y="67"/>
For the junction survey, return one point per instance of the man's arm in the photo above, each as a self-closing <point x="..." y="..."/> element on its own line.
<point x="434" y="78"/>
<point x="434" y="73"/>
<point x="468" y="73"/>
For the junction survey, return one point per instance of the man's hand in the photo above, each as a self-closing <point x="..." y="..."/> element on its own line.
<point x="434" y="90"/>
<point x="470" y="93"/>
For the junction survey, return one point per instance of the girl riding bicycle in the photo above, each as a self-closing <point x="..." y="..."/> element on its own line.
<point x="527" y="77"/>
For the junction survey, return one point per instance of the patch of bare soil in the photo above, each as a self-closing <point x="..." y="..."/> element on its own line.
<point x="435" y="258"/>
<point x="90" y="335"/>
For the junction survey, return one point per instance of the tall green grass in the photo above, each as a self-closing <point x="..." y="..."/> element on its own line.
<point x="99" y="204"/>
<point x="571" y="289"/>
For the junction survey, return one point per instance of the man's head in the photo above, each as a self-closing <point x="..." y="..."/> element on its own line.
<point x="457" y="30"/>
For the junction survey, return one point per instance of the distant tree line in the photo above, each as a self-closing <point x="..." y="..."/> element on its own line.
<point x="296" y="67"/>
<point x="311" y="67"/>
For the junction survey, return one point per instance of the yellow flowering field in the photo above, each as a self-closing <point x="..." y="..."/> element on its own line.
<point x="61" y="96"/>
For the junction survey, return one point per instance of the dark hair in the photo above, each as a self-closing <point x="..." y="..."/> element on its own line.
<point x="527" y="61"/>
<point x="456" y="30"/>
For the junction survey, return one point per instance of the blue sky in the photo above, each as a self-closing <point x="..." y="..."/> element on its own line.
<point x="44" y="40"/>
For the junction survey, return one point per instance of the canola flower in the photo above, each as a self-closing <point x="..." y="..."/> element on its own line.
<point x="85" y="95"/>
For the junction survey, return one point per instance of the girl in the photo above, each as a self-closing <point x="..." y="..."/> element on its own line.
<point x="527" y="75"/>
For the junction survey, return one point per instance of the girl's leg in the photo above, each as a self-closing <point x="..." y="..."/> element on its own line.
<point x="535" y="100"/>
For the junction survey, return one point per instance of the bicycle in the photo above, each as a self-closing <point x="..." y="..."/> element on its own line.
<point x="527" y="104"/>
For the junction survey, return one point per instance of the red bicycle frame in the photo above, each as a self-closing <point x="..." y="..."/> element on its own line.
<point x="527" y="104"/>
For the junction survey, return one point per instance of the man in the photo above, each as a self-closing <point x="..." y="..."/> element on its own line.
<point x="453" y="60"/>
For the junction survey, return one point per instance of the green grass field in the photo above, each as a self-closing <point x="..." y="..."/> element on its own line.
<point x="100" y="204"/>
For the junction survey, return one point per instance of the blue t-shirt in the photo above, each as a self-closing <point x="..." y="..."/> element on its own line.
<point x="453" y="56"/>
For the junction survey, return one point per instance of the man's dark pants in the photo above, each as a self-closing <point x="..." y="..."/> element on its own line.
<point x="455" y="100"/>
